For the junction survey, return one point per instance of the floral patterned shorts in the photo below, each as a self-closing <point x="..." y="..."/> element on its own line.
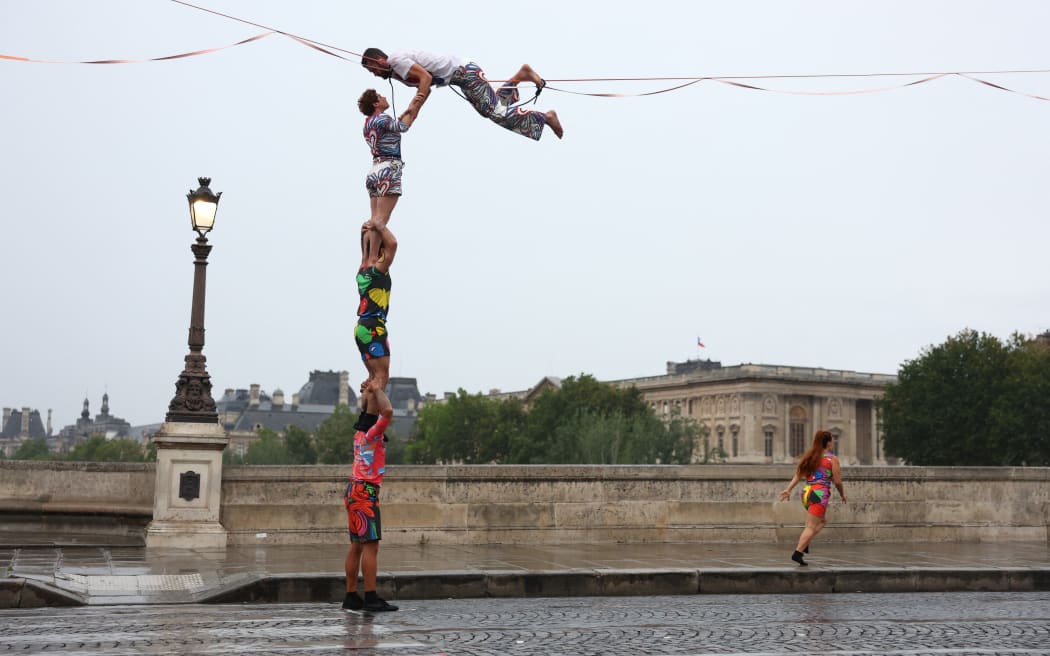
<point x="362" y="511"/>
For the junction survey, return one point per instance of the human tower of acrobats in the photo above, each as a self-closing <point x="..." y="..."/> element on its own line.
<point x="382" y="132"/>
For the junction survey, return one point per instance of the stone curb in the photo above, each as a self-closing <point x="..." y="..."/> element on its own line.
<point x="462" y="584"/>
<point x="585" y="583"/>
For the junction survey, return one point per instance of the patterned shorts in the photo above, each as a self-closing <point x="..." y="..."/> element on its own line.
<point x="494" y="105"/>
<point x="371" y="339"/>
<point x="384" y="178"/>
<point x="815" y="499"/>
<point x="362" y="511"/>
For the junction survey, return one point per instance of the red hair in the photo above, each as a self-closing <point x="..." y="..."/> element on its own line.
<point x="810" y="460"/>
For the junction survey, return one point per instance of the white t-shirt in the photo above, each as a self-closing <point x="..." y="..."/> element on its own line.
<point x="441" y="67"/>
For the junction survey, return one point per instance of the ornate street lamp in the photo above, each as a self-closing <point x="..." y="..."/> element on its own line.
<point x="193" y="401"/>
<point x="203" y="205"/>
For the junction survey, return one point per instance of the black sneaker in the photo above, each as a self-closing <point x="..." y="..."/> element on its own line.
<point x="352" y="602"/>
<point x="797" y="557"/>
<point x="378" y="605"/>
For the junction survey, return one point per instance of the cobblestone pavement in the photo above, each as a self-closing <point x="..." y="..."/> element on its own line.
<point x="952" y="624"/>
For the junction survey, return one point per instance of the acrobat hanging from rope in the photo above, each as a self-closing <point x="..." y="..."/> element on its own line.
<point x="420" y="69"/>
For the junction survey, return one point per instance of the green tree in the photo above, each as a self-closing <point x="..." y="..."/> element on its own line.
<point x="98" y="449"/>
<point x="973" y="400"/>
<point x="335" y="437"/>
<point x="34" y="449"/>
<point x="1021" y="416"/>
<point x="584" y="421"/>
<point x="577" y="403"/>
<point x="468" y="428"/>
<point x="267" y="450"/>
<point x="300" y="446"/>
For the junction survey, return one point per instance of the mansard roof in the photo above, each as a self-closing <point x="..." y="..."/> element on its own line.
<point x="323" y="389"/>
<point x="13" y="428"/>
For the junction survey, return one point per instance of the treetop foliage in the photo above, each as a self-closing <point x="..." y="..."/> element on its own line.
<point x="584" y="421"/>
<point x="973" y="400"/>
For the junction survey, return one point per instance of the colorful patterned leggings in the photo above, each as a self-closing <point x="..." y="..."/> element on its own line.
<point x="471" y="80"/>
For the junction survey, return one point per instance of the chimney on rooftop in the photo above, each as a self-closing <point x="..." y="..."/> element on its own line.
<point x="253" y="396"/>
<point x="344" y="388"/>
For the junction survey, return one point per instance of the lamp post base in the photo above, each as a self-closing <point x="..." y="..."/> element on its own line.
<point x="186" y="535"/>
<point x="188" y="490"/>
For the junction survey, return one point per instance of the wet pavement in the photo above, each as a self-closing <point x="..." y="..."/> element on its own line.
<point x="121" y="575"/>
<point x="919" y="624"/>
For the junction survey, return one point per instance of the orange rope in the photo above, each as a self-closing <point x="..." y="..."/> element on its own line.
<point x="139" y="61"/>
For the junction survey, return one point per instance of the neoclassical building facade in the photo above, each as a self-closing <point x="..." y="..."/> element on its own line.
<point x="756" y="413"/>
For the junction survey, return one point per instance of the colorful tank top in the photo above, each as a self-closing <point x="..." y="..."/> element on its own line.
<point x="374" y="287"/>
<point x="822" y="474"/>
<point x="370" y="453"/>
<point x="383" y="134"/>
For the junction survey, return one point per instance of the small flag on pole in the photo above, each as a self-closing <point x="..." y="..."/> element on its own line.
<point x="700" y="342"/>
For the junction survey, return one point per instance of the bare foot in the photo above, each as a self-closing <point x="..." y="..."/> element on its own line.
<point x="526" y="73"/>
<point x="554" y="124"/>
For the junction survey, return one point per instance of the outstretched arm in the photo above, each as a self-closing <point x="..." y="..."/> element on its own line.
<point x="423" y="79"/>
<point x="412" y="113"/>
<point x="836" y="478"/>
<point x="382" y="406"/>
<point x="786" y="493"/>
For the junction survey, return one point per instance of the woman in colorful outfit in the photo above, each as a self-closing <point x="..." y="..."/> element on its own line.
<point x="820" y="469"/>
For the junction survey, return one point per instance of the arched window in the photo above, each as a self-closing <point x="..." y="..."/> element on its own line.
<point x="736" y="441"/>
<point x="797" y="431"/>
<point x="768" y="433"/>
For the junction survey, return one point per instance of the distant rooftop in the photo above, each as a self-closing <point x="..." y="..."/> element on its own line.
<point x="707" y="370"/>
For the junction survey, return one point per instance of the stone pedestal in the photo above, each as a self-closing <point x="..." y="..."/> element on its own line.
<point x="188" y="488"/>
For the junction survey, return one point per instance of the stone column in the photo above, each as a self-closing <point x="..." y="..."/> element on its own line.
<point x="189" y="486"/>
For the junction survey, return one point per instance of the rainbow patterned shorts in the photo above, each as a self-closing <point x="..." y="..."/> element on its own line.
<point x="815" y="499"/>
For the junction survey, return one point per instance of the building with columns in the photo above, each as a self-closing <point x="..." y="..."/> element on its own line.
<point x="762" y="414"/>
<point x="759" y="413"/>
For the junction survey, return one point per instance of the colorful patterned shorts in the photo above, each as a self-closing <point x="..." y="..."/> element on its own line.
<point x="362" y="511"/>
<point x="371" y="339"/>
<point x="384" y="178"/>
<point x="815" y="499"/>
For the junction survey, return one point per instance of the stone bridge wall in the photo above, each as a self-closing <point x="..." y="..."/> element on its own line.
<point x="513" y="504"/>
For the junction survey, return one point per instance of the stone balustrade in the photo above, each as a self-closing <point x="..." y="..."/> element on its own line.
<point x="514" y="504"/>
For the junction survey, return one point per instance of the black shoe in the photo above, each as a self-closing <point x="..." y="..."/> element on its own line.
<point x="797" y="557"/>
<point x="806" y="550"/>
<point x="352" y="602"/>
<point x="378" y="605"/>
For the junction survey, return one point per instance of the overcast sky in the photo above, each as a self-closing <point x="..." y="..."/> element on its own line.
<point x="845" y="232"/>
